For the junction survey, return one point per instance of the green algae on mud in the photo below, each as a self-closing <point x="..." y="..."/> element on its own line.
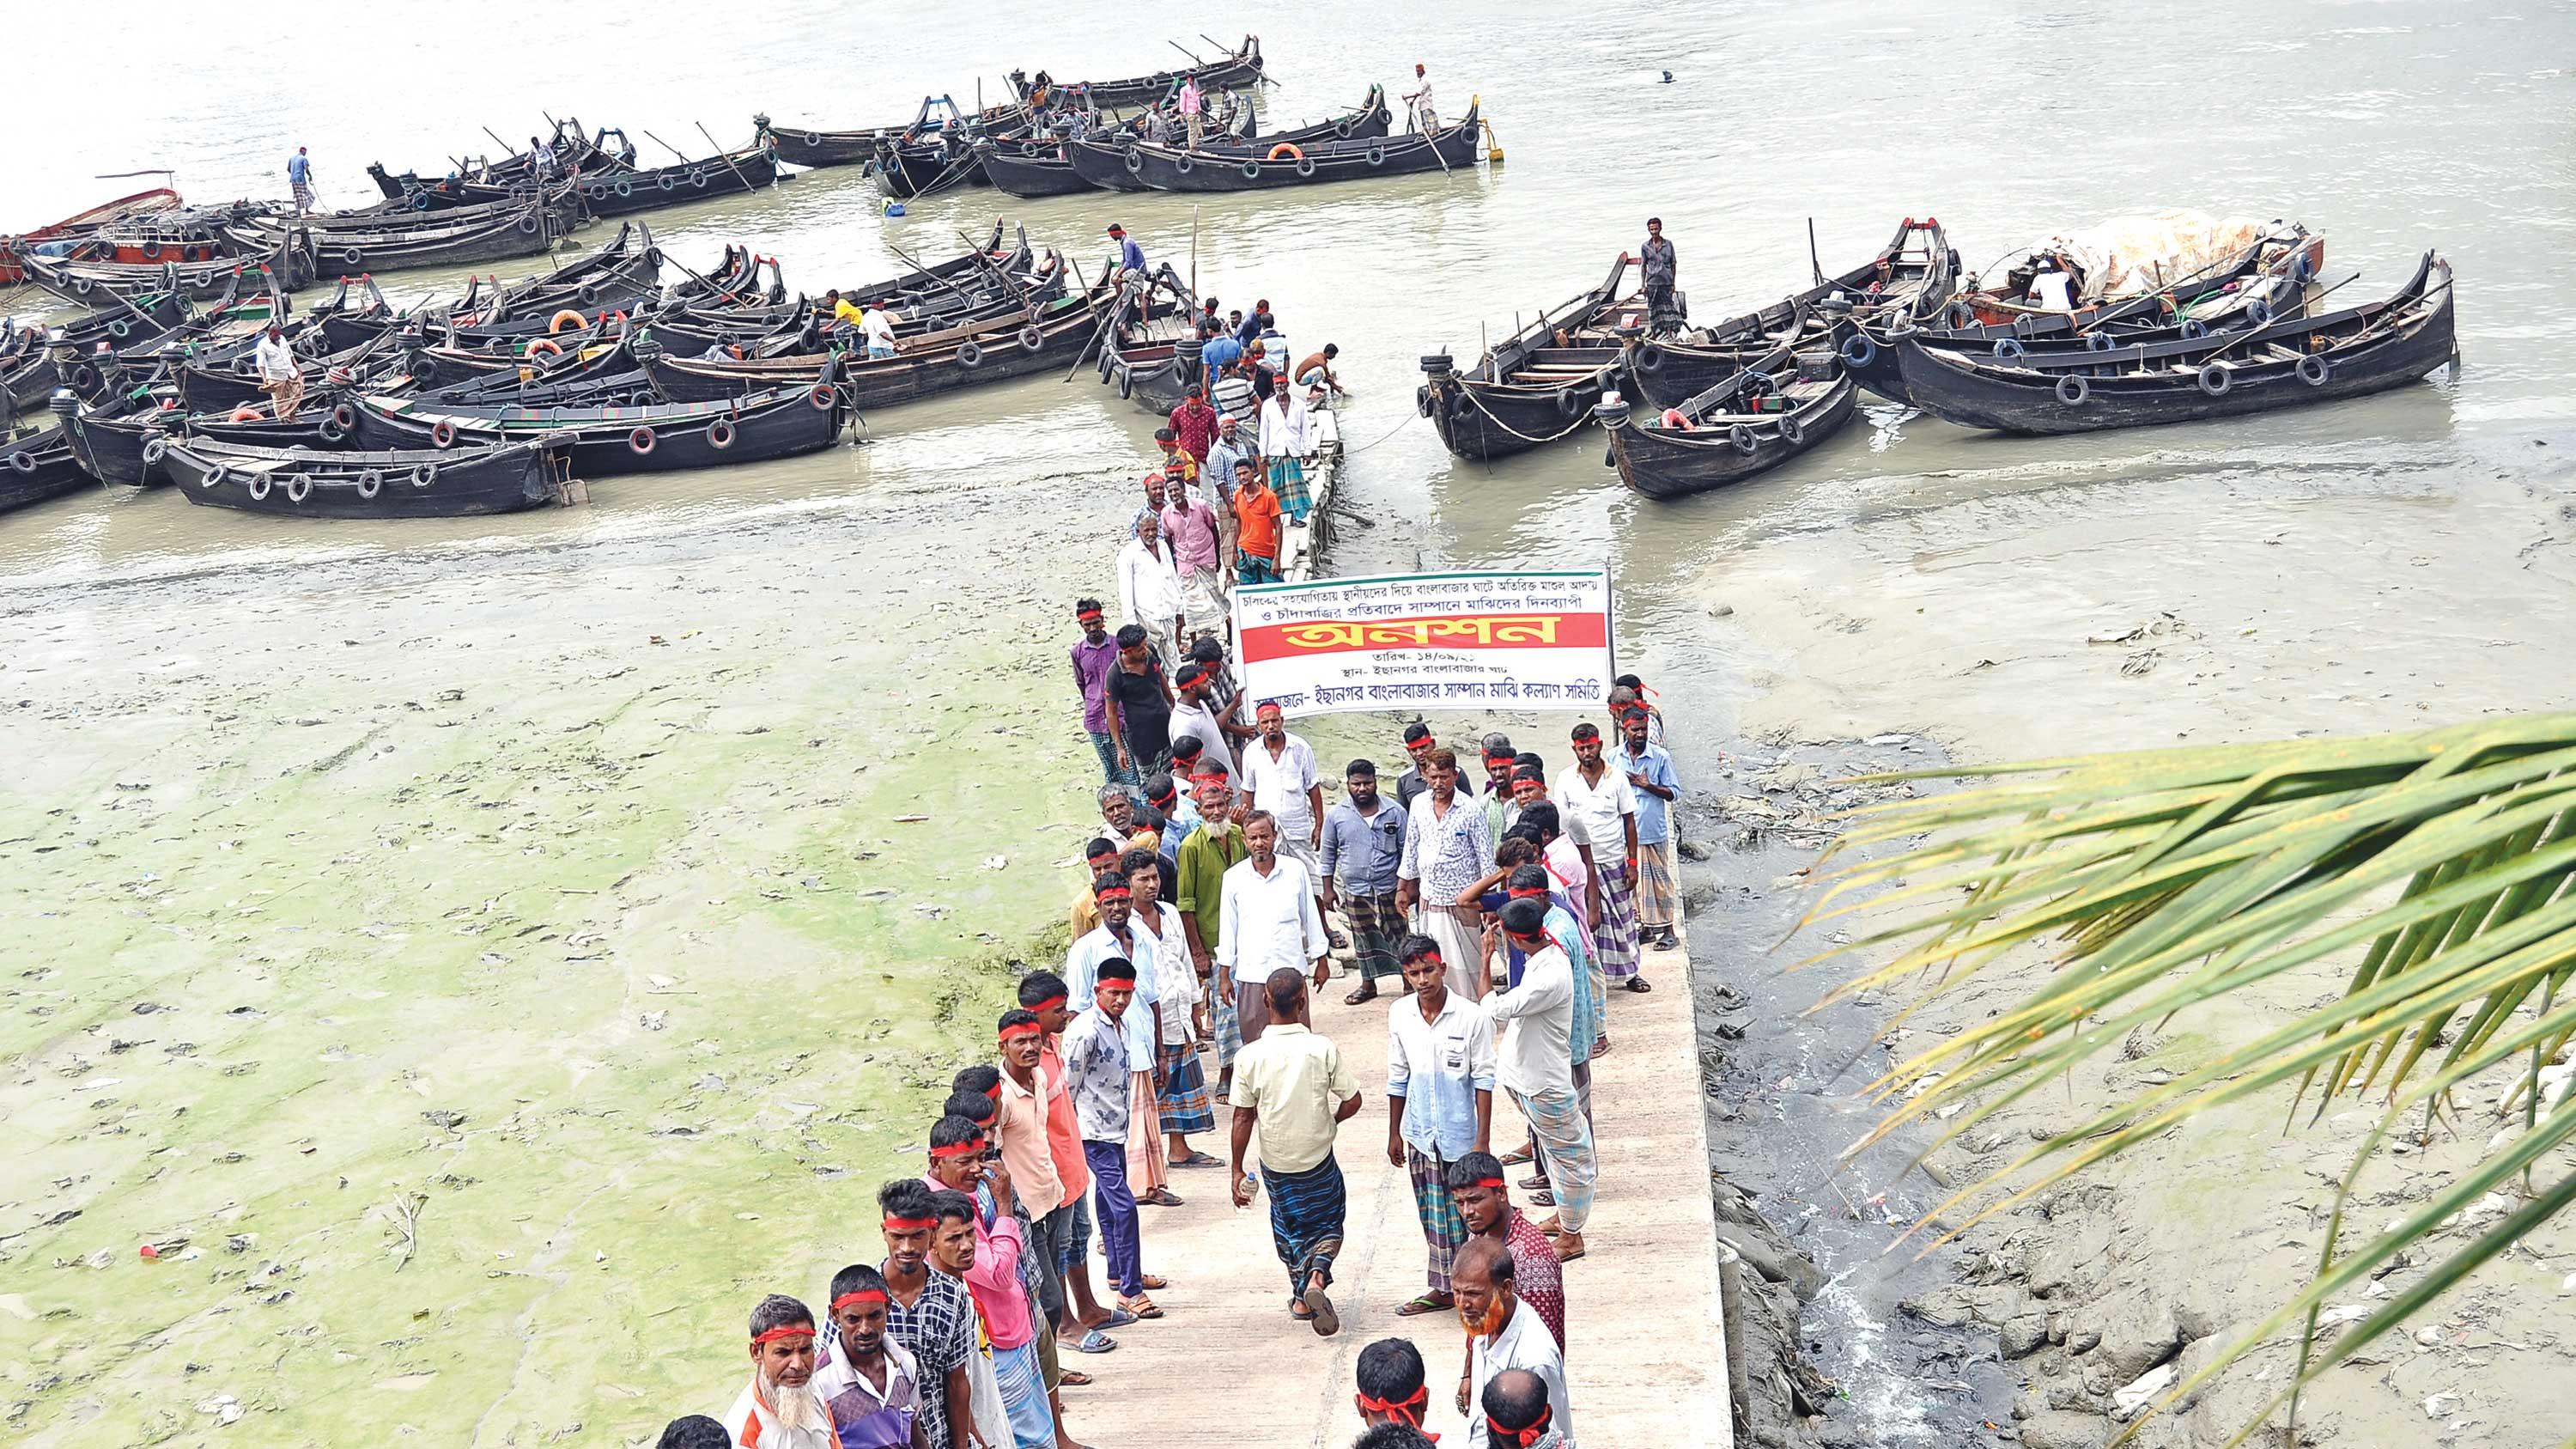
<point x="478" y="1007"/>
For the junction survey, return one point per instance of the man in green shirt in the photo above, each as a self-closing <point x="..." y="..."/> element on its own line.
<point x="1205" y="857"/>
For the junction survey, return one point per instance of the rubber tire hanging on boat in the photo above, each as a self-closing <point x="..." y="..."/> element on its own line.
<point x="345" y="415"/>
<point x="1377" y="155"/>
<point x="117" y="328"/>
<point x="216" y="475"/>
<point x="2258" y="312"/>
<point x="22" y="461"/>
<point x="823" y="397"/>
<point x="2215" y="380"/>
<point x="2098" y="342"/>
<point x="720" y="434"/>
<point x="969" y="355"/>
<point x="2073" y="389"/>
<point x="1183" y="164"/>
<point x="2009" y="349"/>
<point x="2314" y="371"/>
<point x="1422" y="400"/>
<point x="154" y="450"/>
<point x="1031" y="338"/>
<point x="442" y="434"/>
<point x="298" y="487"/>
<point x="371" y="483"/>
<point x="1792" y="432"/>
<point x="424" y="474"/>
<point x="331" y="431"/>
<point x="1126" y="383"/>
<point x="1743" y="439"/>
<point x="84" y="376"/>
<point x="1107" y="361"/>
<point x="641" y="441"/>
<point x="1859" y="350"/>
<point x="1135" y="160"/>
<point x="1305" y="165"/>
<point x="1251" y="170"/>
<point x="1567" y="402"/>
<point x="2193" y="329"/>
<point x="1650" y="358"/>
<point x="259" y="486"/>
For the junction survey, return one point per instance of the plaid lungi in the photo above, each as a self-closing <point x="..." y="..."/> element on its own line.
<point x="1229" y="1034"/>
<point x="1377" y="928"/>
<point x="1564" y="1136"/>
<point x="303" y="195"/>
<point x="1306" y="1219"/>
<point x="1614" y="943"/>
<point x="1658" y="899"/>
<point x="1203" y="602"/>
<point x="1147" y="1167"/>
<point x="1183" y="1101"/>
<point x="1288" y="480"/>
<point x="1444" y="1229"/>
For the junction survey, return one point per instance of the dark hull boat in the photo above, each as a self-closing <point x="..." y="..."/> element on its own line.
<point x="430" y="240"/>
<point x="626" y="192"/>
<point x="1538" y="385"/>
<point x="410" y="483"/>
<point x="36" y="466"/>
<point x="1778" y="406"/>
<point x="802" y="146"/>
<point x="906" y="169"/>
<point x="1909" y="279"/>
<point x="1151" y="355"/>
<point x="1031" y="168"/>
<point x="30" y="356"/>
<point x="1232" y="73"/>
<point x="1040" y="167"/>
<point x="292" y="266"/>
<point x="603" y="441"/>
<point x="2285" y="363"/>
<point x="2266" y="280"/>
<point x="1104" y="164"/>
<point x="1264" y="167"/>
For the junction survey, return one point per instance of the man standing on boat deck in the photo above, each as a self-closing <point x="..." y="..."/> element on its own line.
<point x="280" y="376"/>
<point x="299" y="179"/>
<point x="1193" y="108"/>
<point x="1131" y="257"/>
<point x="1425" y="119"/>
<point x="1658" y="264"/>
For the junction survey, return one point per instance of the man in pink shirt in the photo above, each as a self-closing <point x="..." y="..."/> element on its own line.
<point x="1191" y="526"/>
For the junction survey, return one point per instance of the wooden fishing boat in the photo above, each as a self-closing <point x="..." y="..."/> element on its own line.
<point x="1539" y="384"/>
<point x="1151" y="353"/>
<point x="32" y="358"/>
<point x="403" y="483"/>
<point x="113" y="438"/>
<point x="1233" y="72"/>
<point x="984" y="350"/>
<point x="666" y="437"/>
<point x="82" y="224"/>
<point x="414" y="240"/>
<point x="1040" y="166"/>
<point x="2287" y="362"/>
<point x="1780" y="404"/>
<point x="1909" y="278"/>
<point x="625" y="191"/>
<point x="1259" y="167"/>
<point x="291" y="265"/>
<point x="2266" y="280"/>
<point x="38" y="465"/>
<point x="813" y="146"/>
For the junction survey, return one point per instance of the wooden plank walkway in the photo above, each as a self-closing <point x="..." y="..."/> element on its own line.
<point x="1647" y="1362"/>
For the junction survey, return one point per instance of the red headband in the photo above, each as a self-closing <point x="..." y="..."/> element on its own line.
<point x="1110" y="893"/>
<point x="1537" y="1427"/>
<point x="1406" y="1410"/>
<point x="909" y="1225"/>
<point x="1026" y="1028"/>
<point x="1050" y="1004"/>
<point x="994" y="1092"/>
<point x="1423" y="743"/>
<point x="789" y="1330"/>
<point x="1524" y="892"/>
<point x="1428" y="956"/>
<point x="858" y="1295"/>
<point x="972" y="1145"/>
<point x="1086" y="614"/>
<point x="1267" y="706"/>
<point x="1487" y="1182"/>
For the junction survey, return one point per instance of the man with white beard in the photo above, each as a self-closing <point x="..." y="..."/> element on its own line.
<point x="779" y="1409"/>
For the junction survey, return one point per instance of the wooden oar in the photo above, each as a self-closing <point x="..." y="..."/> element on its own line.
<point x="728" y="158"/>
<point x="1109" y="317"/>
<point x="927" y="272"/>
<point x="665" y="145"/>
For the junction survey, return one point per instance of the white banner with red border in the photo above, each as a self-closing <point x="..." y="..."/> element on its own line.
<point x="1499" y="641"/>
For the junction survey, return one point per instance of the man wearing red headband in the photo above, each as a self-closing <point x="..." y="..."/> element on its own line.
<point x="1042" y="1140"/>
<point x="1649" y="768"/>
<point x="1279" y="769"/>
<point x="1391" y="1387"/>
<point x="1535" y="1063"/>
<point x="1445" y="852"/>
<point x="779" y="1407"/>
<point x="1522" y="1409"/>
<point x="872" y="1386"/>
<point x="1096" y="1056"/>
<point x="1599" y="809"/>
<point x="963" y="1160"/>
<point x="1419" y="742"/>
<point x="1485" y="1204"/>
<point x="1212" y="850"/>
<point x="1503" y="1334"/>
<point x="928" y="1312"/>
<point x="1094" y="655"/>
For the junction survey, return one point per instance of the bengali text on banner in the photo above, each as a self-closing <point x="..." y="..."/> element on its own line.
<point x="1501" y="641"/>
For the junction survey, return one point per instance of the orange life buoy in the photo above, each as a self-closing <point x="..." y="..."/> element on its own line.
<point x="1673" y="419"/>
<point x="566" y="318"/>
<point x="1284" y="149"/>
<point x="244" y="414"/>
<point x="546" y="345"/>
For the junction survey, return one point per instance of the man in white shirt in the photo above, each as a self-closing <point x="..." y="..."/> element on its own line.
<point x="1268" y="921"/>
<point x="1279" y="769"/>
<point x="1181" y="1102"/>
<point x="1439" y="1103"/>
<point x="1194" y="718"/>
<point x="1149" y="588"/>
<point x="1535" y="1063"/>
<point x="280" y="375"/>
<point x="878" y="324"/>
<point x="1598" y="807"/>
<point x="1426" y="118"/>
<point x="2052" y="287"/>
<point x="779" y="1408"/>
<point x="1286" y="439"/>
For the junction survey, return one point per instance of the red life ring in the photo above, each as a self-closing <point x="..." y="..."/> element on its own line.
<point x="641" y="441"/>
<point x="243" y="414"/>
<point x="550" y="347"/>
<point x="1673" y="419"/>
<point x="565" y="318"/>
<point x="823" y="396"/>
<point x="442" y="434"/>
<point x="1284" y="149"/>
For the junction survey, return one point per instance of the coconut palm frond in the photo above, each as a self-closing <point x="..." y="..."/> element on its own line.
<point x="2441" y="862"/>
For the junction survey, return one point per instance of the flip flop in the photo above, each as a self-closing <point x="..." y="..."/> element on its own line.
<point x="1515" y="1159"/>
<point x="1160" y="1197"/>
<point x="1423" y="1303"/>
<point x="1638" y="984"/>
<point x="1570" y="1257"/>
<point x="1534" y="1184"/>
<point x="1094" y="1341"/>
<point x="1118" y="1318"/>
<point x="1298" y="1310"/>
<point x="1327" y="1322"/>
<point x="1544" y="1197"/>
<point x="1361" y="996"/>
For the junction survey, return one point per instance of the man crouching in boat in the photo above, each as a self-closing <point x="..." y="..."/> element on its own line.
<point x="779" y="1409"/>
<point x="280" y="375"/>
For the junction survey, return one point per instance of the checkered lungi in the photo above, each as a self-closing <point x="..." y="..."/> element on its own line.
<point x="1306" y="1219"/>
<point x="1184" y="1102"/>
<point x="1658" y="898"/>
<point x="303" y="195"/>
<point x="1444" y="1229"/>
<point x="1377" y="928"/>
<point x="1614" y="942"/>
<point x="1565" y="1139"/>
<point x="1288" y="480"/>
<point x="1251" y="1010"/>
<point x="1203" y="602"/>
<point x="1228" y="1033"/>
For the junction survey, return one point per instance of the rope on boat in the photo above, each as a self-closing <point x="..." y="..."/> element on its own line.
<point x="1580" y="419"/>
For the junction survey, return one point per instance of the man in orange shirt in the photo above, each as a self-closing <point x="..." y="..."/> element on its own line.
<point x="1256" y="513"/>
<point x="1079" y="1316"/>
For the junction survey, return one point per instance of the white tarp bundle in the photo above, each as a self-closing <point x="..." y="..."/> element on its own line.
<point x="2130" y="255"/>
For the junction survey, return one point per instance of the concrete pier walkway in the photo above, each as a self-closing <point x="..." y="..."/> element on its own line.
<point x="1646" y="1353"/>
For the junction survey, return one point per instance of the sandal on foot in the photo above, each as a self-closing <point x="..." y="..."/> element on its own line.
<point x="1367" y="992"/>
<point x="1326" y="1321"/>
<point x="1515" y="1159"/>
<point x="1159" y="1197"/>
<point x="1073" y="1379"/>
<point x="1543" y="1198"/>
<point x="1639" y="985"/>
<point x="1425" y="1303"/>
<point x="1537" y="1183"/>
<point x="1093" y="1341"/>
<point x="1141" y="1306"/>
<point x="1152" y="1283"/>
<point x="1195" y="1159"/>
<point x="1118" y="1318"/>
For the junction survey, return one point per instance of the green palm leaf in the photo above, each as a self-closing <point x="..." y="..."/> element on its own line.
<point x="2172" y="879"/>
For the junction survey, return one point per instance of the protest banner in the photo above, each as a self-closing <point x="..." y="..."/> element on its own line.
<point x="1501" y="641"/>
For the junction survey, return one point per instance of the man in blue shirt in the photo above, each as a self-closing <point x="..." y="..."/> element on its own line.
<point x="1440" y="1102"/>
<point x="299" y="179"/>
<point x="1650" y="773"/>
<point x="1131" y="257"/>
<point x="1220" y="352"/>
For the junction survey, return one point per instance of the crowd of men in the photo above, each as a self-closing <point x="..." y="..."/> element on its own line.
<point x="1501" y="914"/>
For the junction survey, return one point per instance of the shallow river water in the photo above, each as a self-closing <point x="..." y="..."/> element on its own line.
<point x="2389" y="126"/>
